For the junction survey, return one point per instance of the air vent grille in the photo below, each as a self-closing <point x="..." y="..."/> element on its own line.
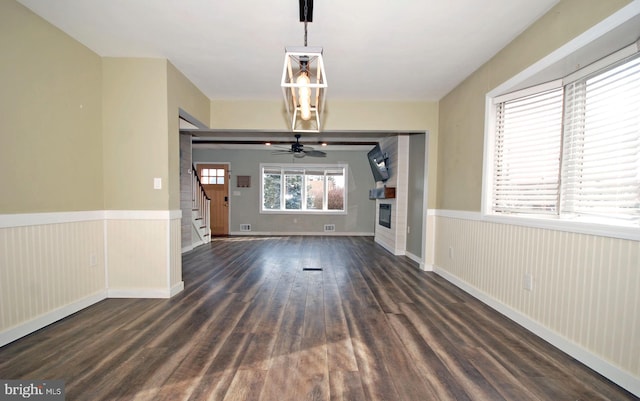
<point x="329" y="227"/>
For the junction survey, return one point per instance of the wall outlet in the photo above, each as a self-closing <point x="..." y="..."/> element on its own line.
<point x="408" y="230"/>
<point x="157" y="183"/>
<point x="93" y="260"/>
<point x="527" y="281"/>
<point x="450" y="252"/>
<point x="329" y="228"/>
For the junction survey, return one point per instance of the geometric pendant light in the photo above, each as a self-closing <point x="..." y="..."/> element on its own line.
<point x="304" y="81"/>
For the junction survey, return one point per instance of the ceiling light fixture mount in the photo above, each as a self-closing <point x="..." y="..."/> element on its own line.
<point x="304" y="82"/>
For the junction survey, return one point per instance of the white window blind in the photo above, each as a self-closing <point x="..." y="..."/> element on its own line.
<point x="574" y="151"/>
<point x="527" y="153"/>
<point x="601" y="156"/>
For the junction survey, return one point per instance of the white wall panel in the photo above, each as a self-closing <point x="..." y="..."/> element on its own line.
<point x="175" y="256"/>
<point x="585" y="287"/>
<point x="395" y="238"/>
<point x="54" y="264"/>
<point x="48" y="267"/>
<point x="143" y="253"/>
<point x="137" y="254"/>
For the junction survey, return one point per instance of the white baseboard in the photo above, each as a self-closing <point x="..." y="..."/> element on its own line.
<point x="391" y="249"/>
<point x="140" y="292"/>
<point x="427" y="267"/>
<point x="423" y="266"/>
<point x="53" y="316"/>
<point x="28" y="327"/>
<point x="620" y="377"/>
<point x="415" y="258"/>
<point x="187" y="248"/>
<point x="176" y="288"/>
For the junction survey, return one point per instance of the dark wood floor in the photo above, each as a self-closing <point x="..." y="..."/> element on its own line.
<point x="257" y="322"/>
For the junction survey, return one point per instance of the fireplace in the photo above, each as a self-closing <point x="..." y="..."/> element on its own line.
<point x="384" y="215"/>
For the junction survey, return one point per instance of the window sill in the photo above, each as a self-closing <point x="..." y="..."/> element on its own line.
<point x="306" y="212"/>
<point x="574" y="226"/>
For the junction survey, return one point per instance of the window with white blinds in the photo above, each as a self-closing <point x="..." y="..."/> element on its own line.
<point x="601" y="157"/>
<point x="527" y="154"/>
<point x="572" y="151"/>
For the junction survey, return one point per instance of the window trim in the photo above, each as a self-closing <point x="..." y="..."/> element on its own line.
<point x="586" y="225"/>
<point x="304" y="211"/>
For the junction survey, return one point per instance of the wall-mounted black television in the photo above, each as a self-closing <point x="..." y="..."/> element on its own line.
<point x="378" y="162"/>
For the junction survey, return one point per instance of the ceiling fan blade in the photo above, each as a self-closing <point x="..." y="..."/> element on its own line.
<point x="298" y="150"/>
<point x="280" y="147"/>
<point x="315" y="153"/>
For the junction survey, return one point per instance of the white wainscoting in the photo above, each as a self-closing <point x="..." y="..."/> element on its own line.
<point x="54" y="264"/>
<point x="50" y="266"/>
<point x="584" y="297"/>
<point x="143" y="254"/>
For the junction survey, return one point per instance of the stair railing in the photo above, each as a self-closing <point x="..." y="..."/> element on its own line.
<point x="201" y="204"/>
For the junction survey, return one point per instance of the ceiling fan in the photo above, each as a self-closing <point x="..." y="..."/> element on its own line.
<point x="299" y="150"/>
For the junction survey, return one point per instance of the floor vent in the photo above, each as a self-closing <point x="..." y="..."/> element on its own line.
<point x="245" y="227"/>
<point x="329" y="228"/>
<point x="312" y="269"/>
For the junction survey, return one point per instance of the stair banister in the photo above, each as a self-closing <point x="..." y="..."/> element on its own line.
<point x="201" y="203"/>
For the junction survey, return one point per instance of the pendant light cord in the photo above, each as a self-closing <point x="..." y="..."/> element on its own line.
<point x="306" y="9"/>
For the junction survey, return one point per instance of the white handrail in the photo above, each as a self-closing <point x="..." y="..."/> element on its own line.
<point x="201" y="203"/>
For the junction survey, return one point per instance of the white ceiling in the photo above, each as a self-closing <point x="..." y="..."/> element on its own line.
<point x="373" y="49"/>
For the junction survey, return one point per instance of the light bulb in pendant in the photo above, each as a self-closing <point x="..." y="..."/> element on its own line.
<point x="304" y="96"/>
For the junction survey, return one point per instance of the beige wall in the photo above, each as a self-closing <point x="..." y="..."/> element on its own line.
<point x="135" y="146"/>
<point x="82" y="137"/>
<point x="340" y="115"/>
<point x="461" y="138"/>
<point x="142" y="101"/>
<point x="182" y="94"/>
<point x="50" y="117"/>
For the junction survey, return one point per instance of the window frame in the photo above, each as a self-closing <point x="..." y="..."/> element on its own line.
<point x="313" y="168"/>
<point x="563" y="222"/>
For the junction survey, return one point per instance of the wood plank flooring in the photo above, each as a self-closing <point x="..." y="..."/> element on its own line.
<point x="254" y="324"/>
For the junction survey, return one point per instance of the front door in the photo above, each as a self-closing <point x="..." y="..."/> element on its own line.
<point x="215" y="180"/>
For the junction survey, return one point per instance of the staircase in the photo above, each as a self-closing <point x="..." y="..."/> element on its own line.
<point x="200" y="219"/>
